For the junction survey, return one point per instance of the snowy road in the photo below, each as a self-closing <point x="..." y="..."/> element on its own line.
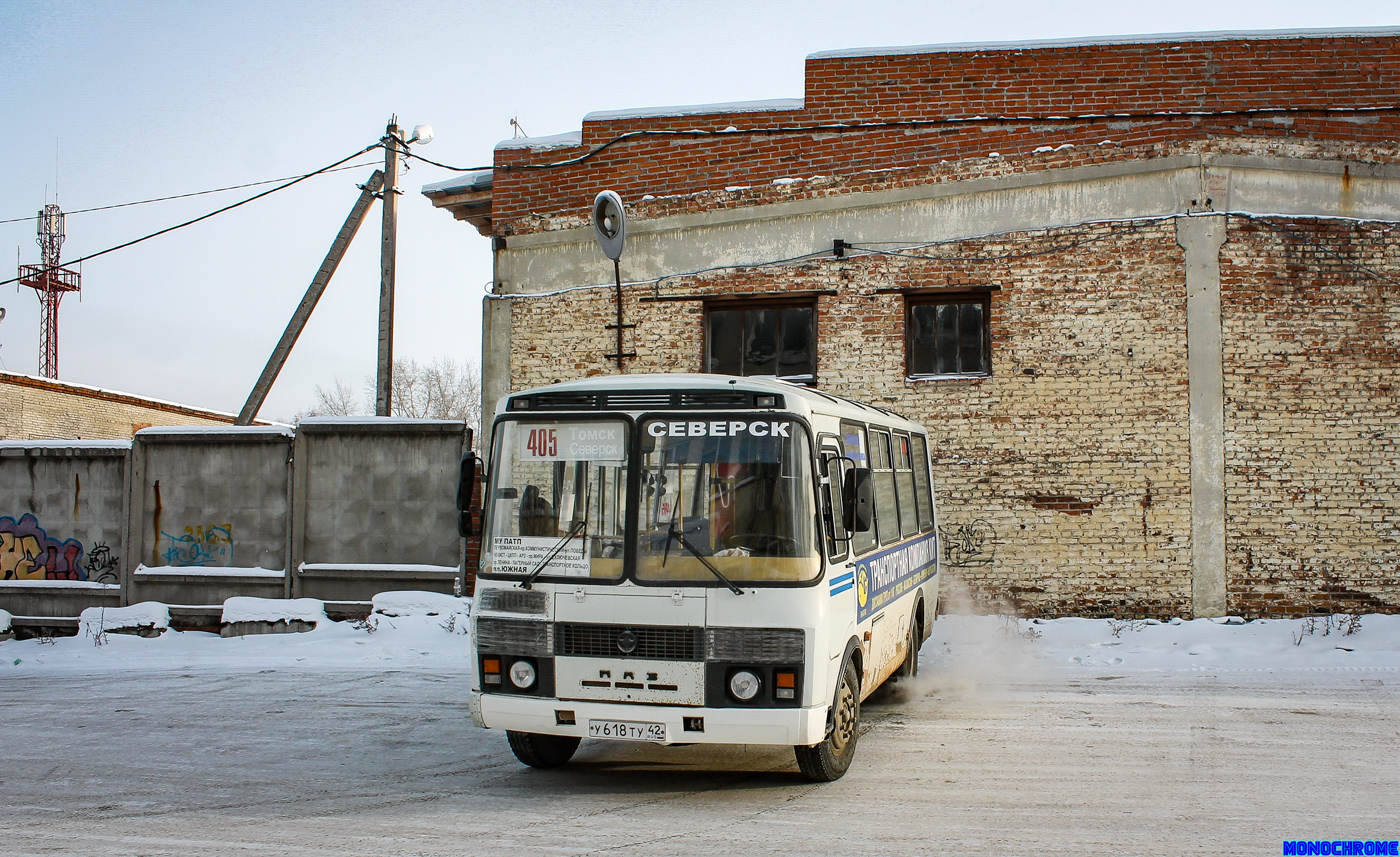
<point x="1051" y="755"/>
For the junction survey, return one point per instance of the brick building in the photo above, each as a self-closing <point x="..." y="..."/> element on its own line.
<point x="34" y="408"/>
<point x="1144" y="292"/>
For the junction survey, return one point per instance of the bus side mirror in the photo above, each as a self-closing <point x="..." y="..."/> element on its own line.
<point x="858" y="500"/>
<point x="466" y="488"/>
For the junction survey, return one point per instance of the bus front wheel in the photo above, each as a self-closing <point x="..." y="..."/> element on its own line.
<point x="828" y="760"/>
<point x="542" y="751"/>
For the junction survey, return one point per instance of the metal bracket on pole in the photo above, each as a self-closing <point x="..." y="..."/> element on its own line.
<point x="368" y="193"/>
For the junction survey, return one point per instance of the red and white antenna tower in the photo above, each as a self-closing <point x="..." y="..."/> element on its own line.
<point x="51" y="282"/>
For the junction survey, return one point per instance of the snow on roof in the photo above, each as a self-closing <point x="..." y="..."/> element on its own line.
<point x="245" y="608"/>
<point x="283" y="431"/>
<point x="572" y="139"/>
<point x="143" y="570"/>
<point x="375" y="421"/>
<point x="764" y="106"/>
<point x="56" y="584"/>
<point x="477" y="180"/>
<point x="415" y="603"/>
<point x="142" y="400"/>
<point x="65" y="444"/>
<point x="1141" y="39"/>
<point x="95" y="620"/>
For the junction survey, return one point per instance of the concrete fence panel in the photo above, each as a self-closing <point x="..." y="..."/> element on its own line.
<point x="210" y="513"/>
<point x="61" y="522"/>
<point x="375" y="504"/>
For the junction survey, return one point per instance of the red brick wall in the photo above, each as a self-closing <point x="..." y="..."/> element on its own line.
<point x="1032" y="98"/>
<point x="1312" y="406"/>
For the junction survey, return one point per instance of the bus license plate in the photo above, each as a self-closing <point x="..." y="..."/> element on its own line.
<point x="626" y="731"/>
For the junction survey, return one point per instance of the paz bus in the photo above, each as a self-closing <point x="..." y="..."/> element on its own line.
<point x="689" y="559"/>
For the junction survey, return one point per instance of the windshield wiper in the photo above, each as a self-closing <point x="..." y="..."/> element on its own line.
<point x="678" y="536"/>
<point x="553" y="552"/>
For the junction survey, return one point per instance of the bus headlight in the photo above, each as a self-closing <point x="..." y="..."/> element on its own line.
<point x="522" y="674"/>
<point x="744" y="685"/>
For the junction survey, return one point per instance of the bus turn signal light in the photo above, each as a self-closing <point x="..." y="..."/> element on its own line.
<point x="786" y="683"/>
<point x="491" y="670"/>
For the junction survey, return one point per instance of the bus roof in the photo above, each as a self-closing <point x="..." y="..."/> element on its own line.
<point x="797" y="397"/>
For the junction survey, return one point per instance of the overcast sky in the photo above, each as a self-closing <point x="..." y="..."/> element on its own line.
<point x="115" y="102"/>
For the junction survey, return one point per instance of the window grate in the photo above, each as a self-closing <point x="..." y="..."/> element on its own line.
<point x="644" y="400"/>
<point x="513" y="636"/>
<point x="755" y="645"/>
<point x="639" y="401"/>
<point x="531" y="601"/>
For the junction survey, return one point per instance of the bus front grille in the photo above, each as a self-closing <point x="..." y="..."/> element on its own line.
<point x="653" y="642"/>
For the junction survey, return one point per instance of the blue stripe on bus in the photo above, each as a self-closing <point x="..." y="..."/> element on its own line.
<point x="848" y="576"/>
<point x="840" y="589"/>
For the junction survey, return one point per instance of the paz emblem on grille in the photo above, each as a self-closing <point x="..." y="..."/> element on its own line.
<point x="626" y="642"/>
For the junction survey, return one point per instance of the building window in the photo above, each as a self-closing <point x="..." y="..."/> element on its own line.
<point x="947" y="335"/>
<point x="777" y="340"/>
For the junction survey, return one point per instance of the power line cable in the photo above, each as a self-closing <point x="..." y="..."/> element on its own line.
<point x="915" y="124"/>
<point x="1131" y="226"/>
<point x="183" y="195"/>
<point x="1254" y="218"/>
<point x="195" y="220"/>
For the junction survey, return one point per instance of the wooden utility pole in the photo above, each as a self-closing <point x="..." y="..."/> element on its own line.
<point x="384" y="377"/>
<point x="308" y="303"/>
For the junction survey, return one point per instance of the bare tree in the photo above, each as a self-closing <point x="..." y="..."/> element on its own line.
<point x="441" y="390"/>
<point x="338" y="401"/>
<point x="444" y="389"/>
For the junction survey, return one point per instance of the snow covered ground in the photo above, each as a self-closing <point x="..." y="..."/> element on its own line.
<point x="406" y="630"/>
<point x="1072" y="736"/>
<point x="429" y="630"/>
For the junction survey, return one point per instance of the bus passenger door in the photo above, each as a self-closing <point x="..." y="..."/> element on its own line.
<point x="841" y="559"/>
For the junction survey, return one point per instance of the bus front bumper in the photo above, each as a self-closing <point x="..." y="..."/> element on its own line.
<point x="718" y="725"/>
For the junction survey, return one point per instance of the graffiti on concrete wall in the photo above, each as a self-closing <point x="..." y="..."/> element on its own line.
<point x="209" y="545"/>
<point x="101" y="565"/>
<point x="968" y="545"/>
<point x="28" y="553"/>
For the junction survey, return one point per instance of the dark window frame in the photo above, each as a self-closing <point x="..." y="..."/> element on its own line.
<point x="807" y="302"/>
<point x="912" y="301"/>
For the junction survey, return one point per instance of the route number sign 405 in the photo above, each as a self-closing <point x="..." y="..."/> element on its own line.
<point x="542" y="442"/>
<point x="600" y="441"/>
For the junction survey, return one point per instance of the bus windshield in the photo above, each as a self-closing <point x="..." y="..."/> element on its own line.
<point x="736" y="491"/>
<point x="556" y="500"/>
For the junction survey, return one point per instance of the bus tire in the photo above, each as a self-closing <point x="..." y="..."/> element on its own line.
<point x="911" y="658"/>
<point x="827" y="761"/>
<point x="542" y="751"/>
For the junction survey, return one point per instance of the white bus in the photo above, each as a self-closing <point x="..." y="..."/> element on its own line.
<point x="688" y="559"/>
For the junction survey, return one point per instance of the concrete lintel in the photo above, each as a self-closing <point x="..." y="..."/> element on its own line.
<point x="938" y="213"/>
<point x="866" y="199"/>
<point x="1162" y="187"/>
<point x="1202" y="237"/>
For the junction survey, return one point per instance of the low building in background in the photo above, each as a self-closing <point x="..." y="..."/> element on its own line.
<point x="1144" y="293"/>
<point x="37" y="408"/>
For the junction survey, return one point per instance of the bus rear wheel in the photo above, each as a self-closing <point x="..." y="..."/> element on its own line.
<point x="827" y="761"/>
<point x="911" y="657"/>
<point x="542" y="751"/>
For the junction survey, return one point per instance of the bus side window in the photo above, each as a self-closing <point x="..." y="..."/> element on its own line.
<point x="834" y="467"/>
<point x="886" y="506"/>
<point x="855" y="448"/>
<point x="904" y="485"/>
<point x="921" y="482"/>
